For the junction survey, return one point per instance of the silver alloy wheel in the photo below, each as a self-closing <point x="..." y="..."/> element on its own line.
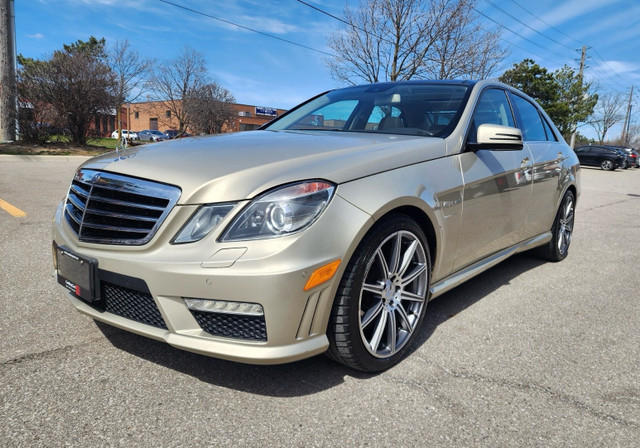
<point x="393" y="294"/>
<point x="565" y="224"/>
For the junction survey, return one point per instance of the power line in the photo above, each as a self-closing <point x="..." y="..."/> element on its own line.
<point x="517" y="34"/>
<point x="228" y="22"/>
<point x="546" y="23"/>
<point x="532" y="29"/>
<point x="572" y="38"/>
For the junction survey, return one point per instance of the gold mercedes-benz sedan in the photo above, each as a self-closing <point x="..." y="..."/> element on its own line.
<point x="328" y="230"/>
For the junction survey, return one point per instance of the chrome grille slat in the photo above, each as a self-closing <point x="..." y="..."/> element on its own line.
<point x="126" y="216"/>
<point x="107" y="208"/>
<point x="128" y="204"/>
<point x="80" y="191"/>
<point x="75" y="201"/>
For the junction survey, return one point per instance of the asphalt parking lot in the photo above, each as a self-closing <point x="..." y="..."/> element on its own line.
<point x="527" y="354"/>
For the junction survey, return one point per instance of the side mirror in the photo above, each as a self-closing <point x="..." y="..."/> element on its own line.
<point x="498" y="138"/>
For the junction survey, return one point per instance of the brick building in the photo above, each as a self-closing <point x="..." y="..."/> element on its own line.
<point x="154" y="115"/>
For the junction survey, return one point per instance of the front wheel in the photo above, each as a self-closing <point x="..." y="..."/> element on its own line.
<point x="562" y="230"/>
<point x="382" y="297"/>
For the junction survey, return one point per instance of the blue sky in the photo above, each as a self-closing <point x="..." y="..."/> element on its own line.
<point x="264" y="71"/>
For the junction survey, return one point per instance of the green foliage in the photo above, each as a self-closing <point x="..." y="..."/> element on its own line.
<point x="576" y="102"/>
<point x="65" y="91"/>
<point x="563" y="94"/>
<point x="92" y="47"/>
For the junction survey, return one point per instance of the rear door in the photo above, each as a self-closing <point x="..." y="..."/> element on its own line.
<point x="547" y="151"/>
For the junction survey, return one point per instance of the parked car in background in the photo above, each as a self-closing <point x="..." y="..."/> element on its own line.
<point x="327" y="230"/>
<point x="606" y="157"/>
<point x="631" y="158"/>
<point x="636" y="158"/>
<point x="129" y="135"/>
<point x="149" y="135"/>
<point x="172" y="133"/>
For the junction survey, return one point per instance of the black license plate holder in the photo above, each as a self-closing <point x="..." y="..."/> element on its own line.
<point x="78" y="274"/>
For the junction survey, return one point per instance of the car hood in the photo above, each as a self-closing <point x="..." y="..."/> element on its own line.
<point x="239" y="166"/>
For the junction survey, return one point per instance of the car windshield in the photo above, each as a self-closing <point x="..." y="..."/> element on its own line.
<point x="157" y="133"/>
<point x="391" y="108"/>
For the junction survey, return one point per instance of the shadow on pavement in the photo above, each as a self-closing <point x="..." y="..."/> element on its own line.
<point x="318" y="373"/>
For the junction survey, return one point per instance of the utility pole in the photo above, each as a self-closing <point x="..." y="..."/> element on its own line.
<point x="580" y="76"/>
<point x="625" y="128"/>
<point x="8" y="92"/>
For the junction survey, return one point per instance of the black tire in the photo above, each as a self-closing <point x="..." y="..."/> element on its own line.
<point x="558" y="248"/>
<point x="382" y="297"/>
<point x="607" y="165"/>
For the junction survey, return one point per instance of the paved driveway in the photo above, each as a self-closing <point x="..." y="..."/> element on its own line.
<point x="526" y="354"/>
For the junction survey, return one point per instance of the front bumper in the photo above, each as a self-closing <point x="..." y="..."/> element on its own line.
<point x="157" y="277"/>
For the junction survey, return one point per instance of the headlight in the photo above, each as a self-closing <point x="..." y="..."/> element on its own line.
<point x="203" y="221"/>
<point x="286" y="210"/>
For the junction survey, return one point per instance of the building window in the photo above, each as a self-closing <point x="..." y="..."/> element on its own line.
<point x="248" y="127"/>
<point x="167" y="114"/>
<point x="136" y="115"/>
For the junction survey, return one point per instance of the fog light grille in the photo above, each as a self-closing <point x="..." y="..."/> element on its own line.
<point x="134" y="305"/>
<point x="232" y="325"/>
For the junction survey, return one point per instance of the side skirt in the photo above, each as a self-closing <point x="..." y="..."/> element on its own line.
<point x="457" y="278"/>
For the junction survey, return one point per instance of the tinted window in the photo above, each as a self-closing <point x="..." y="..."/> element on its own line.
<point x="531" y="124"/>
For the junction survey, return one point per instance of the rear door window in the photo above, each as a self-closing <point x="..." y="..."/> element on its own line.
<point x="530" y="120"/>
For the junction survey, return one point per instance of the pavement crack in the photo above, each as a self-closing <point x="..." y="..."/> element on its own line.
<point x="45" y="354"/>
<point x="567" y="399"/>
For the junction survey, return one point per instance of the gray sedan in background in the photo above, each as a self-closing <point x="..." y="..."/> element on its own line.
<point x="149" y="135"/>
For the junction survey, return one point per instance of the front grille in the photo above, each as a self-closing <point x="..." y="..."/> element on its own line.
<point x="134" y="305"/>
<point x="107" y="208"/>
<point x="232" y="325"/>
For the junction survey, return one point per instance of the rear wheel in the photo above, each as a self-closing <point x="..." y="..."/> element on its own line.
<point x="607" y="165"/>
<point x="562" y="231"/>
<point x="382" y="297"/>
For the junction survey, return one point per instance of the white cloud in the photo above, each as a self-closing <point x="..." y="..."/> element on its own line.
<point x="35" y="36"/>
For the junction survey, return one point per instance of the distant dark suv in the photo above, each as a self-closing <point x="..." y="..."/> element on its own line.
<point x="607" y="158"/>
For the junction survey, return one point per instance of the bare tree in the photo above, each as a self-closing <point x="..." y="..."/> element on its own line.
<point x="131" y="71"/>
<point x="634" y="136"/>
<point x="464" y="48"/>
<point x="607" y="113"/>
<point x="171" y="82"/>
<point x="392" y="40"/>
<point x="210" y="108"/>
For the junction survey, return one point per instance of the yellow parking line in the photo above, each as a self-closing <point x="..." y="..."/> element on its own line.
<point x="13" y="211"/>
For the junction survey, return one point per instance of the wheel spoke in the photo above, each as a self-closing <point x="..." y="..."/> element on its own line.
<point x="407" y="257"/>
<point x="383" y="263"/>
<point x="417" y="272"/>
<point x="371" y="314"/>
<point x="411" y="296"/>
<point x="395" y="254"/>
<point x="404" y="319"/>
<point x="377" y="335"/>
<point x="374" y="289"/>
<point x="392" y="331"/>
